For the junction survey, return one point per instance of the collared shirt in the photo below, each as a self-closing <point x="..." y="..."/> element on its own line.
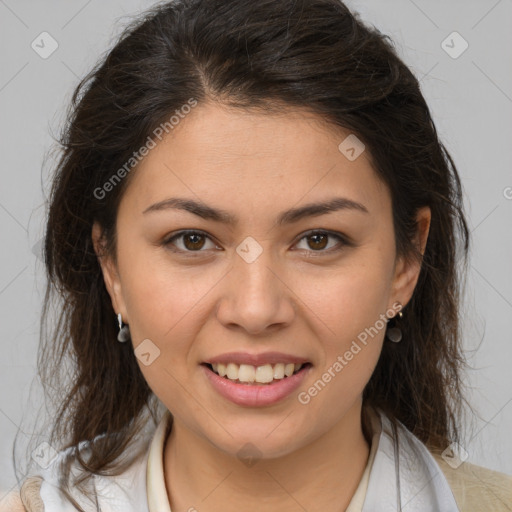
<point x="157" y="494"/>
<point x="155" y="479"/>
<point x="141" y="488"/>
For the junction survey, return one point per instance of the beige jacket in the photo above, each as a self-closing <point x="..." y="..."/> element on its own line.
<point x="478" y="489"/>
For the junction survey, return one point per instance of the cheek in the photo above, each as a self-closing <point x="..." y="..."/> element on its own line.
<point x="163" y="309"/>
<point x="167" y="304"/>
<point x="157" y="294"/>
<point x="350" y="304"/>
<point x="350" y="298"/>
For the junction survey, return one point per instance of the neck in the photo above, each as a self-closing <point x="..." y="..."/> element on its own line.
<point x="197" y="474"/>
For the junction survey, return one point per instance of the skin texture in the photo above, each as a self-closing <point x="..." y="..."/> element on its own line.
<point x="299" y="296"/>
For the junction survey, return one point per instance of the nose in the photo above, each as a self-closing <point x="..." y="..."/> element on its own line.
<point x="256" y="296"/>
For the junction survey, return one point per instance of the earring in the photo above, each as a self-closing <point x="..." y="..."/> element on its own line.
<point x="394" y="333"/>
<point x="124" y="330"/>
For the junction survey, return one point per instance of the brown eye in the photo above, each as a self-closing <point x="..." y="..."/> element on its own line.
<point x="317" y="241"/>
<point x="192" y="241"/>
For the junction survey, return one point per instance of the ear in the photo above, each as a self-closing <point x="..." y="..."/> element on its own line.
<point x="109" y="270"/>
<point x="407" y="271"/>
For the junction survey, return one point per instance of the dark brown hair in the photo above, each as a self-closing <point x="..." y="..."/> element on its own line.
<point x="272" y="55"/>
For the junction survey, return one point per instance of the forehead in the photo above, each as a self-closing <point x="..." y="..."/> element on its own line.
<point x="245" y="157"/>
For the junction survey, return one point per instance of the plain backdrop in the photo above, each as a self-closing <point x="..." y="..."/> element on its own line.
<point x="469" y="93"/>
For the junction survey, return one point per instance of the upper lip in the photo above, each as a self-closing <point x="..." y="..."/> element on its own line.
<point x="256" y="359"/>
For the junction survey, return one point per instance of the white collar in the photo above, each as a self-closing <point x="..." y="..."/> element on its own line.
<point x="423" y="486"/>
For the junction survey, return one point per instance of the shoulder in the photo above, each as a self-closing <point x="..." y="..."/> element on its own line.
<point x="476" y="488"/>
<point x="123" y="489"/>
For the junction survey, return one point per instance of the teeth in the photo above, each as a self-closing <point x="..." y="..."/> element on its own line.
<point x="278" y="371"/>
<point x="220" y="369"/>
<point x="246" y="373"/>
<point x="232" y="371"/>
<point x="289" y="369"/>
<point x="261" y="374"/>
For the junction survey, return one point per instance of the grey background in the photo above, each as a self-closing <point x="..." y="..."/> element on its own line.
<point x="471" y="101"/>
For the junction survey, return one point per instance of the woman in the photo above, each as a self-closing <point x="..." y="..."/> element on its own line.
<point x="253" y="230"/>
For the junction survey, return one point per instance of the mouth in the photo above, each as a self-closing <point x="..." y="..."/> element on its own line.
<point x="263" y="375"/>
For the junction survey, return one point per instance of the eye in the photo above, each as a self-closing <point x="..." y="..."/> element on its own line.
<point x="320" y="241"/>
<point x="193" y="241"/>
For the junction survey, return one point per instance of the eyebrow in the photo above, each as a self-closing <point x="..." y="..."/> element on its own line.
<point x="287" y="217"/>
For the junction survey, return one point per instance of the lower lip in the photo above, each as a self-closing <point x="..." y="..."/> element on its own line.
<point x="256" y="395"/>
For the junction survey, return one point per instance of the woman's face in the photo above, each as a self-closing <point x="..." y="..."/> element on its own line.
<point x="254" y="279"/>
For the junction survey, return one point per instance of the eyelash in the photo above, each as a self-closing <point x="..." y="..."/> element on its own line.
<point x="342" y="241"/>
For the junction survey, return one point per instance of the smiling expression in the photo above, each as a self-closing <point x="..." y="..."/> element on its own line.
<point x="267" y="268"/>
